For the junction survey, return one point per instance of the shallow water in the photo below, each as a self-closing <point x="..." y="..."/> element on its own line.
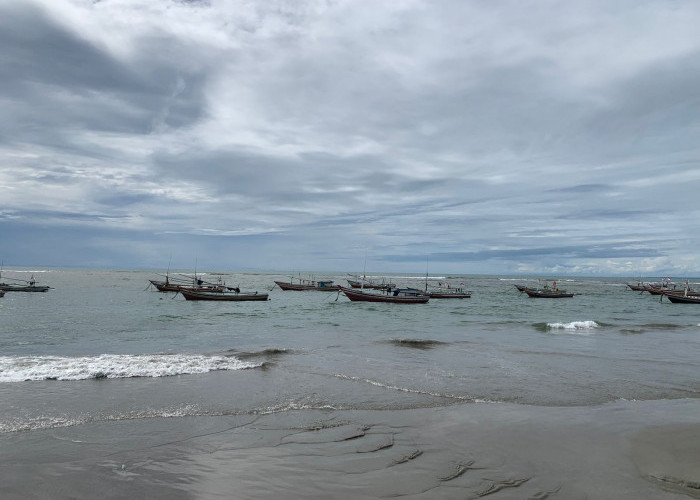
<point x="100" y="349"/>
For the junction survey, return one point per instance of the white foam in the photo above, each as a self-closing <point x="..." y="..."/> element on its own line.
<point x="59" y="421"/>
<point x="22" y="368"/>
<point x="401" y="389"/>
<point x="574" y="325"/>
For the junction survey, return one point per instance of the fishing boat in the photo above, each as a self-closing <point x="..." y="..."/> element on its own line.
<point x="23" y="286"/>
<point x="397" y="296"/>
<point x="190" y="282"/>
<point x="2" y="293"/>
<point x="456" y="293"/>
<point x="232" y="296"/>
<point x="639" y="287"/>
<point x="548" y="293"/>
<point x="362" y="282"/>
<point x="308" y="285"/>
<point x="660" y="288"/>
<point x="683" y="296"/>
<point x="521" y="288"/>
<point x="446" y="291"/>
<point x="165" y="286"/>
<point x="683" y="299"/>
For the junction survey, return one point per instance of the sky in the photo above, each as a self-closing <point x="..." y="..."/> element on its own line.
<point x="463" y="136"/>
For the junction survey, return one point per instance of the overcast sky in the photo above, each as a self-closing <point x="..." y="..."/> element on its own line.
<point x="542" y="137"/>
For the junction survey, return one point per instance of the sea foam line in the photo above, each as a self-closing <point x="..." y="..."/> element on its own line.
<point x="24" y="368"/>
<point x="402" y="389"/>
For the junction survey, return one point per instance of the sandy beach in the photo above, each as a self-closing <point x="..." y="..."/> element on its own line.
<point x="624" y="450"/>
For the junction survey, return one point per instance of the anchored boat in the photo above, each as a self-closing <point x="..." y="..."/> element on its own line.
<point x="397" y="296"/>
<point x="222" y="296"/>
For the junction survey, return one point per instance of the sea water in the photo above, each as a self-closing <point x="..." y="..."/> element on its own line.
<point x="104" y="348"/>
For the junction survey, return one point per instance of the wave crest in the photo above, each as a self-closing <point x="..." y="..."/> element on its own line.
<point x="25" y="368"/>
<point x="574" y="325"/>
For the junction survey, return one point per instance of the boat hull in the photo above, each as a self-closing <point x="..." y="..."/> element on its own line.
<point x="20" y="288"/>
<point x="162" y="286"/>
<point x="547" y="295"/>
<point x="223" y="296"/>
<point x="448" y="295"/>
<point x="683" y="299"/>
<point x="358" y="296"/>
<point x="370" y="286"/>
<point x="304" y="288"/>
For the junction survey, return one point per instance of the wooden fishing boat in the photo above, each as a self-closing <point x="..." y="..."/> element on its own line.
<point x="446" y="291"/>
<point x="370" y="285"/>
<point x="190" y="282"/>
<point x="683" y="299"/>
<point x="398" y="296"/>
<point x="23" y="286"/>
<point x="660" y="288"/>
<point x="165" y="286"/>
<point x="521" y="288"/>
<point x="221" y="296"/>
<point x="308" y="285"/>
<point x="547" y="293"/>
<point x="639" y="287"/>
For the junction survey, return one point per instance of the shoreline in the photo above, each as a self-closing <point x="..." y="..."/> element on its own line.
<point x="622" y="450"/>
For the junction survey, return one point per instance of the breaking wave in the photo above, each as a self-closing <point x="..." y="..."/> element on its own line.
<point x="24" y="368"/>
<point x="574" y="325"/>
<point x="415" y="343"/>
<point x="579" y="327"/>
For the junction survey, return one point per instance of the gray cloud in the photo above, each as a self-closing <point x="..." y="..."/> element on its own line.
<point x="493" y="137"/>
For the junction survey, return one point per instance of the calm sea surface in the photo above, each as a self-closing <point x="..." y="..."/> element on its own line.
<point x="101" y="346"/>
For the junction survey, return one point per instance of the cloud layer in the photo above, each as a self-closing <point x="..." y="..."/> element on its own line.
<point x="489" y="137"/>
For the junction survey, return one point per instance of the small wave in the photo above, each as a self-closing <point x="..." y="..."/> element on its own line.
<point x="662" y="326"/>
<point x="415" y="343"/>
<point x="25" y="368"/>
<point x="404" y="389"/>
<point x="632" y="331"/>
<point x="580" y="327"/>
<point x="56" y="422"/>
<point x="274" y="351"/>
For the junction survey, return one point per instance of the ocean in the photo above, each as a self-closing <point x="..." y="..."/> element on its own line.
<point x="112" y="389"/>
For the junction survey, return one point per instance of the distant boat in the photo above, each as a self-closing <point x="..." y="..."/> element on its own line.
<point x="26" y="286"/>
<point x="361" y="282"/>
<point x="2" y="293"/>
<point x="446" y="291"/>
<point x="639" y="287"/>
<point x="454" y="294"/>
<point x="189" y="282"/>
<point x="308" y="285"/>
<point x="221" y="296"/>
<point x="548" y="293"/>
<point x="398" y="296"/>
<point x="660" y="288"/>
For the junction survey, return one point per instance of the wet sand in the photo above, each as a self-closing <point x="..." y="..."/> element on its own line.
<point x="624" y="450"/>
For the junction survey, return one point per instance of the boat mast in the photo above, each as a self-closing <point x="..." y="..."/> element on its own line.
<point x="426" y="272"/>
